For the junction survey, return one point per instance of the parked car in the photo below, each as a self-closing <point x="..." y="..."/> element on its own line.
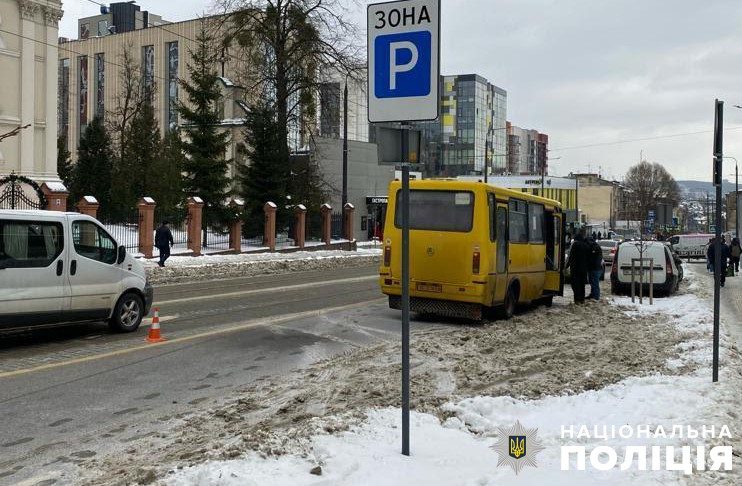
<point x="665" y="272"/>
<point x="64" y="268"/>
<point x="608" y="248"/>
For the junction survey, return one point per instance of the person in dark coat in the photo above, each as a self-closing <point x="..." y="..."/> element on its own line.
<point x="594" y="269"/>
<point x="163" y="242"/>
<point x="725" y="255"/>
<point x="579" y="258"/>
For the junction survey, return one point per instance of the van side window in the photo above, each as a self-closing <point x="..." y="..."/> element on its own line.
<point x="92" y="242"/>
<point x="493" y="222"/>
<point x="29" y="244"/>
<point x="518" y="223"/>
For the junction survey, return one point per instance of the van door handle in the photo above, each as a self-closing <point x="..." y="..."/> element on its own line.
<point x="73" y="267"/>
<point x="60" y="267"/>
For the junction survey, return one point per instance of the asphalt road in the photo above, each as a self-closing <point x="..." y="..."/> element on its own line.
<point x="69" y="394"/>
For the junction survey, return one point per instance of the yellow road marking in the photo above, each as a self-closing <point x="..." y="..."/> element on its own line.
<point x="239" y="327"/>
<point x="269" y="289"/>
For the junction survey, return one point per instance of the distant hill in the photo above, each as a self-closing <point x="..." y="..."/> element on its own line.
<point x="705" y="186"/>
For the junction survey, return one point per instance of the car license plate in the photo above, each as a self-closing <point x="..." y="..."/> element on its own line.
<point x="427" y="287"/>
<point x="637" y="272"/>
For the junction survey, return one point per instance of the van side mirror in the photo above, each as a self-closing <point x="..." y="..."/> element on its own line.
<point x="121" y="255"/>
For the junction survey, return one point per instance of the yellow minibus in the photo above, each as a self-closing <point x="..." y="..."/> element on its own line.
<point x="473" y="246"/>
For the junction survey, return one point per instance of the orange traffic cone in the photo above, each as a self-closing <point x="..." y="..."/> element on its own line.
<point x="154" y="329"/>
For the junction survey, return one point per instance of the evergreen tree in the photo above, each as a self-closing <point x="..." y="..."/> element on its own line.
<point x="64" y="163"/>
<point x="91" y="175"/>
<point x="260" y="178"/>
<point x="167" y="170"/>
<point x="135" y="175"/>
<point x="205" y="144"/>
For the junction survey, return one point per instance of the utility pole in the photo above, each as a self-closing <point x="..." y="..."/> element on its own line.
<point x="345" y="143"/>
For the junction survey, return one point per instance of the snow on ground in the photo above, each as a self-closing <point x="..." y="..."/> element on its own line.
<point x="188" y="268"/>
<point x="457" y="450"/>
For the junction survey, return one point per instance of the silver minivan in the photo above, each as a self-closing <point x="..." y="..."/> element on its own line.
<point x="63" y="268"/>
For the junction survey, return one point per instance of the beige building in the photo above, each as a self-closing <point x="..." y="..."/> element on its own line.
<point x="90" y="76"/>
<point x="28" y="87"/>
<point x="599" y="200"/>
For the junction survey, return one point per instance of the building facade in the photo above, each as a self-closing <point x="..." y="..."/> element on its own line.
<point x="28" y="97"/>
<point x="527" y="151"/>
<point x="91" y="78"/>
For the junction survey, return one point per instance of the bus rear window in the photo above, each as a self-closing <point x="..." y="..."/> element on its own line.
<point x="438" y="210"/>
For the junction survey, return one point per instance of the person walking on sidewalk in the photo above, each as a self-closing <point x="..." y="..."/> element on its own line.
<point x="734" y="252"/>
<point x="594" y="269"/>
<point x="579" y="256"/>
<point x="724" y="259"/>
<point x="163" y="242"/>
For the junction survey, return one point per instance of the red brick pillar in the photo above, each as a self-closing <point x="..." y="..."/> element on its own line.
<point x="56" y="196"/>
<point x="300" y="228"/>
<point x="146" y="207"/>
<point x="195" y="212"/>
<point x="348" y="211"/>
<point x="88" y="205"/>
<point x="326" y="211"/>
<point x="235" y="226"/>
<point x="269" y="230"/>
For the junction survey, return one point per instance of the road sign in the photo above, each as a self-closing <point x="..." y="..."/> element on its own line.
<point x="403" y="60"/>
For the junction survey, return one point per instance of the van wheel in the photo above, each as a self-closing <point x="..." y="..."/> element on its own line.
<point x="508" y="308"/>
<point x="128" y="313"/>
<point x="548" y="301"/>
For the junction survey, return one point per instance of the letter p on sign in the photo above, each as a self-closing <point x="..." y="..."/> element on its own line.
<point x="406" y="59"/>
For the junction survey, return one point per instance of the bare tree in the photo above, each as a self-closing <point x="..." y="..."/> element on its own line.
<point x="650" y="184"/>
<point x="290" y="45"/>
<point x="129" y="100"/>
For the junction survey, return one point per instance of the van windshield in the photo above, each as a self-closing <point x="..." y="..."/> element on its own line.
<point x="438" y="210"/>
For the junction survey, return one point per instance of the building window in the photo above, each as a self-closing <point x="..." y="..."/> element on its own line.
<point x="330" y="110"/>
<point x="172" y="83"/>
<point x="100" y="85"/>
<point x="148" y="71"/>
<point x="85" y="31"/>
<point x="63" y="103"/>
<point x="82" y="94"/>
<point x="103" y="28"/>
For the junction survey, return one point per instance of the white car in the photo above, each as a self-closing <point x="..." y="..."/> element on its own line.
<point x="666" y="274"/>
<point x="63" y="268"/>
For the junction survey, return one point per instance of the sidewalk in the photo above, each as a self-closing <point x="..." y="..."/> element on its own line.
<point x="731" y="300"/>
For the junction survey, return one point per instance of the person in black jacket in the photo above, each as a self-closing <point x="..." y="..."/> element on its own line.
<point x="579" y="257"/>
<point x="594" y="269"/>
<point x="163" y="242"/>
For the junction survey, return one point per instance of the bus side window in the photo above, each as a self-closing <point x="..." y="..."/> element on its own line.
<point x="493" y="222"/>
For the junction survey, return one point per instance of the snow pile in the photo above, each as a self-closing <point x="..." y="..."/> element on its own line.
<point x="457" y="449"/>
<point x="187" y="269"/>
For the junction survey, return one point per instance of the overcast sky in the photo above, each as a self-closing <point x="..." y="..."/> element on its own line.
<point x="587" y="72"/>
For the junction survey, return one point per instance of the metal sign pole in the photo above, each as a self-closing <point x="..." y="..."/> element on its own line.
<point x="718" y="132"/>
<point x="405" y="295"/>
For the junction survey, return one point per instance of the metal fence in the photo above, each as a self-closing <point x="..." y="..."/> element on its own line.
<point x="336" y="226"/>
<point x="124" y="229"/>
<point x="216" y="235"/>
<point x="177" y="220"/>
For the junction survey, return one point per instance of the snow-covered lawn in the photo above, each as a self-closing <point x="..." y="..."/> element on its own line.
<point x="455" y="447"/>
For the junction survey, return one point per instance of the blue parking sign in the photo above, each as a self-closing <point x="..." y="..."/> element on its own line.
<point x="402" y="64"/>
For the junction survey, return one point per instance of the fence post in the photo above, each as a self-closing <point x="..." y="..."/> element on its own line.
<point x="269" y="230"/>
<point x="146" y="207"/>
<point x="56" y="196"/>
<point x="88" y="205"/>
<point x="348" y="211"/>
<point x="235" y="226"/>
<point x="195" y="212"/>
<point x="326" y="211"/>
<point x="300" y="229"/>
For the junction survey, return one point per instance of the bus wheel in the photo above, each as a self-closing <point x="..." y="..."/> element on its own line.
<point x="508" y="308"/>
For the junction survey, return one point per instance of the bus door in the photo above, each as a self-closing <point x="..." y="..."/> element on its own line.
<point x="553" y="235"/>
<point x="501" y="253"/>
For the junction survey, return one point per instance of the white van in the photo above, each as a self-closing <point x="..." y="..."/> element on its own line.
<point x="62" y="268"/>
<point x="691" y="246"/>
<point x="666" y="272"/>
